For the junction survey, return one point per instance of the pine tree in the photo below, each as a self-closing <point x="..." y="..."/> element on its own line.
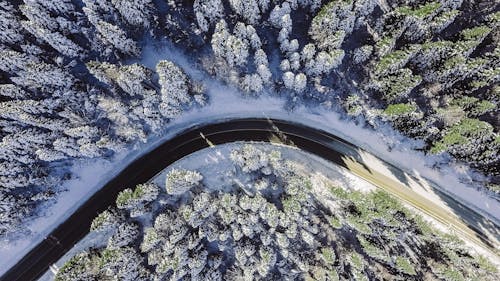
<point x="59" y="7"/>
<point x="44" y="77"/>
<point x="175" y="96"/>
<point x="10" y="26"/>
<point x="231" y="48"/>
<point x="181" y="181"/>
<point x="135" y="12"/>
<point x="249" y="9"/>
<point x="207" y="12"/>
<point x="14" y="174"/>
<point x="55" y="39"/>
<point x="120" y="114"/>
<point x="30" y="112"/>
<point x="14" y="92"/>
<point x="12" y="61"/>
<point x="118" y="38"/>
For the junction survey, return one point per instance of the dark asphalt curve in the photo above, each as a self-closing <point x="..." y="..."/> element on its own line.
<point x="315" y="141"/>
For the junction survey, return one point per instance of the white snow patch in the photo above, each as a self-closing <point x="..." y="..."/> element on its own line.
<point x="215" y="161"/>
<point x="216" y="167"/>
<point x="227" y="103"/>
<point x="91" y="240"/>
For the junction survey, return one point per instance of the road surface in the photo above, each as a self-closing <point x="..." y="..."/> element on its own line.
<point x="463" y="220"/>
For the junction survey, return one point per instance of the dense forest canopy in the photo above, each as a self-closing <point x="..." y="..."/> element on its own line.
<point x="72" y="84"/>
<point x="272" y="221"/>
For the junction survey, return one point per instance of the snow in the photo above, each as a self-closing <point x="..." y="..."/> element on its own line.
<point x="227" y="103"/>
<point x="91" y="240"/>
<point x="91" y="175"/>
<point x="215" y="165"/>
<point x="215" y="161"/>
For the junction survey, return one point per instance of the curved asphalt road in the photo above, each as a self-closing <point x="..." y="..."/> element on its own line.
<point x="464" y="221"/>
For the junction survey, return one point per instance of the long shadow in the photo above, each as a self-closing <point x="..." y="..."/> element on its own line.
<point x="473" y="220"/>
<point x="315" y="141"/>
<point x="468" y="216"/>
<point x="339" y="148"/>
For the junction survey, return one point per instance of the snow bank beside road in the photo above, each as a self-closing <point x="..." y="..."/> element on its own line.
<point x="215" y="161"/>
<point x="228" y="103"/>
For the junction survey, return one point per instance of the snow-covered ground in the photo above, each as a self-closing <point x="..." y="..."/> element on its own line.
<point x="228" y="103"/>
<point x="215" y="161"/>
<point x="386" y="143"/>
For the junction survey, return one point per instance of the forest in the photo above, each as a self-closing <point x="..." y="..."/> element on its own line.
<point x="72" y="85"/>
<point x="271" y="222"/>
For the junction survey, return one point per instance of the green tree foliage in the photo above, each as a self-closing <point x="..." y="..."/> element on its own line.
<point x="463" y="133"/>
<point x="399" y="109"/>
<point x="289" y="227"/>
<point x="73" y="85"/>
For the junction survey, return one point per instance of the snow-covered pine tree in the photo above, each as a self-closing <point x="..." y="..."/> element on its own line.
<point x="175" y="96"/>
<point x="207" y="12"/>
<point x="135" y="12"/>
<point x="10" y="26"/>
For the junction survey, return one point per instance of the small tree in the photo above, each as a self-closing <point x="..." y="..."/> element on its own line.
<point x="174" y="89"/>
<point x="180" y="181"/>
